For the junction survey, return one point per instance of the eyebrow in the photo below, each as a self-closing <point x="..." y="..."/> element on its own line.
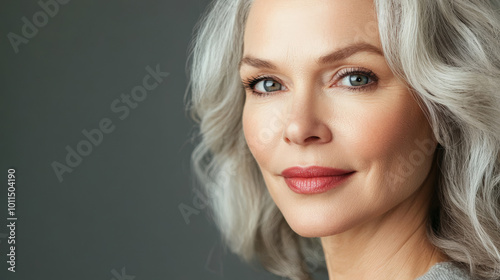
<point x="337" y="55"/>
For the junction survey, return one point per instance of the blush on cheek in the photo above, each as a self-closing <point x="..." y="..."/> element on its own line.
<point x="263" y="125"/>
<point x="389" y="141"/>
<point x="389" y="128"/>
<point x="259" y="137"/>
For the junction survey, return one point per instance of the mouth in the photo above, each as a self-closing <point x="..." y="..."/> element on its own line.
<point x="314" y="179"/>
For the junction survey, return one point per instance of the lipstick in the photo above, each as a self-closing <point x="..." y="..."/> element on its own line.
<point x="314" y="179"/>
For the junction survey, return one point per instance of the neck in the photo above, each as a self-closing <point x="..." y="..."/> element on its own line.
<point x="394" y="246"/>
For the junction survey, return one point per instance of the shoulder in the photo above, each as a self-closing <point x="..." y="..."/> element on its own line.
<point x="445" y="271"/>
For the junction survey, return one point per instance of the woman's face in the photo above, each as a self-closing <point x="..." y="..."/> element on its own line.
<point x="319" y="92"/>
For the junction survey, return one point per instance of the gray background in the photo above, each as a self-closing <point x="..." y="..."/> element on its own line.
<point x="118" y="208"/>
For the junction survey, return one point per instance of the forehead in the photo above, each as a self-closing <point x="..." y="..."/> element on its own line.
<point x="311" y="27"/>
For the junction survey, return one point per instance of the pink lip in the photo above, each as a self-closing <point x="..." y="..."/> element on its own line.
<point x="314" y="179"/>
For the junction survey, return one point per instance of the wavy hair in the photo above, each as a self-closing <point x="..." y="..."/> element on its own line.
<point x="447" y="52"/>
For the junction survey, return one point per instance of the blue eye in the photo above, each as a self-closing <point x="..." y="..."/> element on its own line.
<point x="263" y="86"/>
<point x="355" y="80"/>
<point x="267" y="85"/>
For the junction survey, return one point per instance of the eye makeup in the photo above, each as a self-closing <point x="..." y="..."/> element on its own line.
<point x="372" y="79"/>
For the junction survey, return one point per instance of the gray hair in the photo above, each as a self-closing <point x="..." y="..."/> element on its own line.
<point x="447" y="52"/>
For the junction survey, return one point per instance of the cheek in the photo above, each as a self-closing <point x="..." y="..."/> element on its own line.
<point x="262" y="126"/>
<point x="384" y="138"/>
<point x="385" y="129"/>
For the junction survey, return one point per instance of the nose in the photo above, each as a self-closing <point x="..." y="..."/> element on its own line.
<point x="305" y="123"/>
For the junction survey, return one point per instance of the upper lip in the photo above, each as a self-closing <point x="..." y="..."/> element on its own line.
<point x="313" y="171"/>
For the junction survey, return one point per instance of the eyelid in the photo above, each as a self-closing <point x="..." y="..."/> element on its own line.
<point x="354" y="70"/>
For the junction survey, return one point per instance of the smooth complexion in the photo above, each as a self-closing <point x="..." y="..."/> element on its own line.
<point x="320" y="93"/>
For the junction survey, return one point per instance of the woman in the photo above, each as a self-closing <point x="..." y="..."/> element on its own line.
<point x="360" y="134"/>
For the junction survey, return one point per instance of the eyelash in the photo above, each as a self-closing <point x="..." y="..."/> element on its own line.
<point x="252" y="81"/>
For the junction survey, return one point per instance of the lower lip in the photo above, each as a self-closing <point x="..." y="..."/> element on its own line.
<point x="314" y="185"/>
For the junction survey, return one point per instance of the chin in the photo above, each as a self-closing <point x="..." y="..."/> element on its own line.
<point x="315" y="224"/>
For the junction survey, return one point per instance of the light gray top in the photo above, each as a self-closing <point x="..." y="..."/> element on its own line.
<point x="445" y="271"/>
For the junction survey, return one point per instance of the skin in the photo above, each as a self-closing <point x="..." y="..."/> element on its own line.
<point x="372" y="226"/>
